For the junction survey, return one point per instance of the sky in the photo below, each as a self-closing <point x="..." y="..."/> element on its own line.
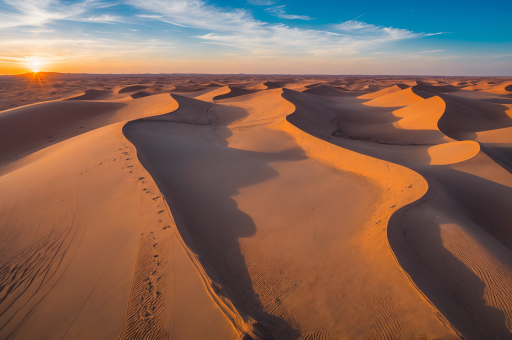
<point x="335" y="37"/>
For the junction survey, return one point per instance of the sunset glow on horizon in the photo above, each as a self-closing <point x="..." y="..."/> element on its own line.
<point x="254" y="36"/>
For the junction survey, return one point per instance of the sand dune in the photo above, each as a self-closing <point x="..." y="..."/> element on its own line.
<point x="93" y="95"/>
<point x="208" y="97"/>
<point x="245" y="235"/>
<point x="234" y="92"/>
<point x="279" y="208"/>
<point x="383" y="92"/>
<point x="133" y="88"/>
<point x="324" y="90"/>
<point x="395" y="99"/>
<point x="465" y="117"/>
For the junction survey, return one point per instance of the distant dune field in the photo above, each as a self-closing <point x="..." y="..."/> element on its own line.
<point x="251" y="207"/>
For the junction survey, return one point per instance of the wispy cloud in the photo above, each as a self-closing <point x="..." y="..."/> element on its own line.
<point x="41" y="12"/>
<point x="198" y="14"/>
<point x="262" y="2"/>
<point x="377" y="34"/>
<point x="362" y="29"/>
<point x="499" y="56"/>
<point x="238" y="28"/>
<point x="106" y="19"/>
<point x="354" y="25"/>
<point x="278" y="11"/>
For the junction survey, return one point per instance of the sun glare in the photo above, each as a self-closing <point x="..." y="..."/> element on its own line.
<point x="35" y="66"/>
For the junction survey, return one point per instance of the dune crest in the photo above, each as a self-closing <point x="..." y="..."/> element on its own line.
<point x="451" y="153"/>
<point x="395" y="99"/>
<point x="383" y="92"/>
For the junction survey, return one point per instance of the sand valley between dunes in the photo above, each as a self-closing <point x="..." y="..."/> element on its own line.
<point x="238" y="207"/>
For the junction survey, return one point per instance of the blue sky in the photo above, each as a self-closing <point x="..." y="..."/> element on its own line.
<point x="257" y="36"/>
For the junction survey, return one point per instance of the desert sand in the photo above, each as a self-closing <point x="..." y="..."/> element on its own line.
<point x="255" y="207"/>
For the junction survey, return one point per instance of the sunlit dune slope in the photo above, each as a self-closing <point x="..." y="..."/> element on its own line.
<point x="33" y="127"/>
<point x="208" y="97"/>
<point x="395" y="99"/>
<point x="28" y="127"/>
<point x="383" y="92"/>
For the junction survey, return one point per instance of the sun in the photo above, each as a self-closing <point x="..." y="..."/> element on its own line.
<point x="35" y="66"/>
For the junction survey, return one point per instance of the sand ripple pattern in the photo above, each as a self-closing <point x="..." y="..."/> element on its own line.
<point x="496" y="276"/>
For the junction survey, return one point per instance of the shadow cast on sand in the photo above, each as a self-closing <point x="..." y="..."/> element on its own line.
<point x="414" y="234"/>
<point x="199" y="176"/>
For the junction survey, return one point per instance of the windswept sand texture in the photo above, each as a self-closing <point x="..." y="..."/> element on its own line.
<point x="251" y="207"/>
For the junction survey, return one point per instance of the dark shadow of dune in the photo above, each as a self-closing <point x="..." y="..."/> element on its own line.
<point x="235" y="92"/>
<point x="140" y="94"/>
<point x="502" y="155"/>
<point x="199" y="176"/>
<point x="489" y="204"/>
<point x="498" y="100"/>
<point x="508" y="88"/>
<point x="329" y="91"/>
<point x="464" y="117"/>
<point x="133" y="88"/>
<point x="93" y="95"/>
<point x="348" y="118"/>
<point x="274" y="85"/>
<point x="446" y="281"/>
<point x="435" y="89"/>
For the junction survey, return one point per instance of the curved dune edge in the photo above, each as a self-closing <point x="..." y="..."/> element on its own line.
<point x="30" y="128"/>
<point x="421" y="115"/>
<point x="260" y="86"/>
<point x="233" y="93"/>
<point x="451" y="153"/>
<point x="381" y="93"/>
<point x="395" y="99"/>
<point x="396" y="183"/>
<point x="269" y="103"/>
<point x="208" y="97"/>
<point x="424" y="115"/>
